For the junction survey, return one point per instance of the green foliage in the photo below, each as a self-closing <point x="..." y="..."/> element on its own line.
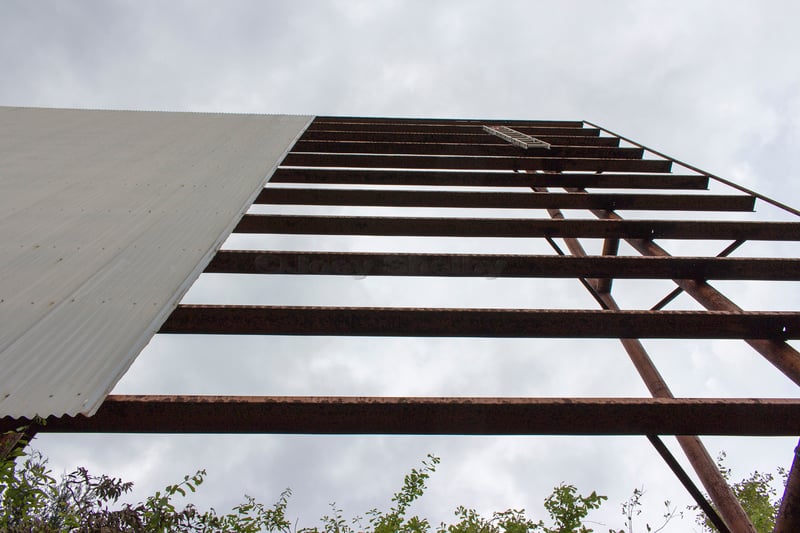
<point x="510" y="521"/>
<point x="568" y="509"/>
<point x="413" y="488"/>
<point x="26" y="491"/>
<point x="32" y="500"/>
<point x="632" y="508"/>
<point x="759" y="499"/>
<point x="757" y="495"/>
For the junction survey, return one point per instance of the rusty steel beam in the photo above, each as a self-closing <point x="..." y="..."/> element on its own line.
<point x="460" y="138"/>
<point x="435" y="416"/>
<point x="639" y="357"/>
<point x="508" y="323"/>
<point x="488" y="179"/>
<point x="447" y="121"/>
<point x="506" y="149"/>
<point x="449" y="128"/>
<point x="518" y="227"/>
<point x="610" y="247"/>
<point x="788" y="519"/>
<point x="501" y="265"/>
<point x="499" y="200"/>
<point x="714" y="177"/>
<point x="689" y="485"/>
<point x="694" y="449"/>
<point x="780" y="354"/>
<point x="433" y="162"/>
<point x="692" y="446"/>
<point x="677" y="291"/>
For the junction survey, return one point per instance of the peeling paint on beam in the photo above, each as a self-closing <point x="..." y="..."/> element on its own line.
<point x="436" y="416"/>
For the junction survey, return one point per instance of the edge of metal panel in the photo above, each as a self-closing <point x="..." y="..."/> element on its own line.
<point x="93" y="402"/>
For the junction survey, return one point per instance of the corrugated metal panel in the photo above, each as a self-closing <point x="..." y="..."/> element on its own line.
<point x="106" y="218"/>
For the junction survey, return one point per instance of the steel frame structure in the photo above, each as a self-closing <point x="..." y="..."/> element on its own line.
<point x="594" y="169"/>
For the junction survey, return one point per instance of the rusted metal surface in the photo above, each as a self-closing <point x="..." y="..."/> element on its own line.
<point x="729" y="183"/>
<point x="458" y="138"/>
<point x="610" y="247"/>
<point x="721" y="493"/>
<point x="663" y="302"/>
<point x="500" y="265"/>
<point x="475" y="163"/>
<point x="693" y="448"/>
<point x="778" y="352"/>
<point x="688" y="484"/>
<point x="678" y="290"/>
<point x="510" y="323"/>
<point x="518" y="227"/>
<point x="458" y="153"/>
<point x="500" y="200"/>
<point x="788" y="520"/>
<point x="448" y="128"/>
<point x="783" y="356"/>
<point x="488" y="179"/>
<point x="436" y="416"/>
<point x="444" y="121"/>
<point x="507" y="150"/>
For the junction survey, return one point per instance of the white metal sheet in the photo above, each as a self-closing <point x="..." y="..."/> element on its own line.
<point x="106" y="218"/>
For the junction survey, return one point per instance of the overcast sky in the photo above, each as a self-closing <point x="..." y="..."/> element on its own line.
<point x="716" y="84"/>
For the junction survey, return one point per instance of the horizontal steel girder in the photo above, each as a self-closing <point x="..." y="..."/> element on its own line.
<point x="479" y="138"/>
<point x="446" y="121"/>
<point x="475" y="127"/>
<point x="435" y="416"/>
<point x="501" y="266"/>
<point x="523" y="162"/>
<point x="520" y="227"/>
<point x="500" y="200"/>
<point x="509" y="323"/>
<point x="488" y="179"/>
<point x="465" y="149"/>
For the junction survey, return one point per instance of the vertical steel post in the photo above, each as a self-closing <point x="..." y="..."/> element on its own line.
<point x="788" y="520"/>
